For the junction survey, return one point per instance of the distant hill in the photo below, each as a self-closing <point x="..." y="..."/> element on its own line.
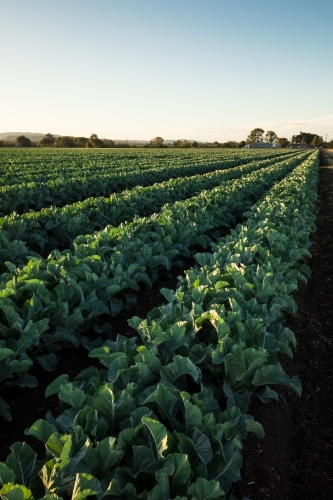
<point x="33" y="136"/>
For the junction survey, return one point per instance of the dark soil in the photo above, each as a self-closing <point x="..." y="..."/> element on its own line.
<point x="295" y="459"/>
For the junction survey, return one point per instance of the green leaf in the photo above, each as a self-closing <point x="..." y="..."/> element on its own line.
<point x="255" y="427"/>
<point x="115" y="490"/>
<point x="114" y="406"/>
<point x="254" y="358"/>
<point x="234" y="363"/>
<point x="161" y="491"/>
<point x="112" y="289"/>
<point x="179" y="367"/>
<point x="193" y="414"/>
<point x="168" y="294"/>
<point x="181" y="475"/>
<point x="159" y="433"/>
<point x="108" y="453"/>
<point x="55" y="444"/>
<point x="226" y="472"/>
<point x="186" y="446"/>
<point x="51" y="476"/>
<point x="72" y="454"/>
<point x="202" y="446"/>
<point x="5" y="353"/>
<point x="221" y="284"/>
<point x="11" y="267"/>
<point x="22" y="461"/>
<point x="15" y="492"/>
<point x="6" y="475"/>
<point x="54" y="387"/>
<point x="143" y="460"/>
<point x="47" y="361"/>
<point x="71" y="395"/>
<point x="41" y="430"/>
<point x="234" y="398"/>
<point x="85" y="485"/>
<point x="119" y="364"/>
<point x="203" y="489"/>
<point x="27" y="381"/>
<point x="164" y="398"/>
<point x="267" y="395"/>
<point x="116" y="305"/>
<point x="272" y="374"/>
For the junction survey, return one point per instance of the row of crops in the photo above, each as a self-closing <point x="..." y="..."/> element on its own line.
<point x="25" y="191"/>
<point x="43" y="165"/>
<point x="165" y="415"/>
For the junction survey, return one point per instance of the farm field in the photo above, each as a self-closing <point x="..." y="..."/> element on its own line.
<point x="295" y="459"/>
<point x="147" y="300"/>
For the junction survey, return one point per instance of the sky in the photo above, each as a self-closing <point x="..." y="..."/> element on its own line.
<point x="207" y="70"/>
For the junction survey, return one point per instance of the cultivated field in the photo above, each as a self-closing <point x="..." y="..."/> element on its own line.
<point x="122" y="380"/>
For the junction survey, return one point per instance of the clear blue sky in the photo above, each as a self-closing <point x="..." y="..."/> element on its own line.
<point x="195" y="69"/>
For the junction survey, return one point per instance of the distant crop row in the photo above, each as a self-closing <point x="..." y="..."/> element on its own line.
<point x="18" y="166"/>
<point x="63" y="190"/>
<point x="56" y="227"/>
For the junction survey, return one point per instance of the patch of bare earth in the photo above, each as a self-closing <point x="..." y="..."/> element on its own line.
<point x="295" y="459"/>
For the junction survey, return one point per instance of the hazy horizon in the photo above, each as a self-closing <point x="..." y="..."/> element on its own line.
<point x="199" y="70"/>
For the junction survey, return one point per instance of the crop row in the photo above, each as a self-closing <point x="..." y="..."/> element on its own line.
<point x="51" y="301"/>
<point x="166" y="419"/>
<point x="35" y="195"/>
<point x="55" y="227"/>
<point x="44" y="165"/>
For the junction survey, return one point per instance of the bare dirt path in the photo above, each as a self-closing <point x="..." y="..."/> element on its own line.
<point x="295" y="459"/>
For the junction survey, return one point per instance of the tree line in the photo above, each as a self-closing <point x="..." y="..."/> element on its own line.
<point x="158" y="142"/>
<point x="302" y="139"/>
<point x="256" y="135"/>
<point x="50" y="141"/>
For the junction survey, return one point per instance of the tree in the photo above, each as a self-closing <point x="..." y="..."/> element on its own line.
<point x="317" y="141"/>
<point x="23" y="141"/>
<point x="195" y="144"/>
<point x="80" y="142"/>
<point x="270" y="136"/>
<point x="157" y="142"/>
<point x="229" y="144"/>
<point x="64" y="142"/>
<point x="283" y="141"/>
<point x="256" y="135"/>
<point x="108" y="143"/>
<point x="47" y="141"/>
<point x="94" y="142"/>
<point x="241" y="144"/>
<point x="303" y="138"/>
<point x="182" y="144"/>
